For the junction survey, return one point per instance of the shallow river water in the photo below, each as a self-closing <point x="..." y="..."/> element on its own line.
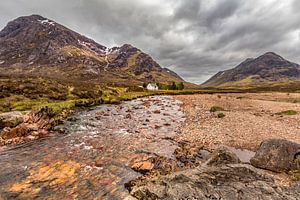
<point x="91" y="160"/>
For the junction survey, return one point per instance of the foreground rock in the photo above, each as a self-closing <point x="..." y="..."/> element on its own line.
<point x="35" y="124"/>
<point x="10" y="119"/>
<point x="222" y="156"/>
<point x="277" y="155"/>
<point x="232" y="181"/>
<point x="222" y="176"/>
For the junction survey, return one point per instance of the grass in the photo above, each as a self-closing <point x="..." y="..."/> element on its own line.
<point x="22" y="103"/>
<point x="216" y="108"/>
<point x="287" y="112"/>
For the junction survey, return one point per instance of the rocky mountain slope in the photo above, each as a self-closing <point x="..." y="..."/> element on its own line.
<point x="36" y="46"/>
<point x="265" y="70"/>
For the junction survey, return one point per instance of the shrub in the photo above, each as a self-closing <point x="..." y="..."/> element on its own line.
<point x="144" y="85"/>
<point x="221" y="115"/>
<point x="216" y="108"/>
<point x="180" y="86"/>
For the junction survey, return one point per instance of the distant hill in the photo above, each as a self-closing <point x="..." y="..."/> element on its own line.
<point x="267" y="70"/>
<point x="34" y="46"/>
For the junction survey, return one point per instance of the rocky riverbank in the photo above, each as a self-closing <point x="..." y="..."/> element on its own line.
<point x="222" y="175"/>
<point x="230" y="168"/>
<point x="17" y="127"/>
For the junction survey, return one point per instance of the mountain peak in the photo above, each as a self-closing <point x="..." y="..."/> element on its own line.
<point x="41" y="47"/>
<point x="270" y="55"/>
<point x="267" y="67"/>
<point x="18" y="25"/>
<point x="31" y="17"/>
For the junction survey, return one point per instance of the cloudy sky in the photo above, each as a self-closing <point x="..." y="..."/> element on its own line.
<point x="195" y="38"/>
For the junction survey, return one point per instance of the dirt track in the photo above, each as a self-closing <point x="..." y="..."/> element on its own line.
<point x="250" y="118"/>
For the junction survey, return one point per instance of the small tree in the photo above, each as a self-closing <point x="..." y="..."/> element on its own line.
<point x="173" y="86"/>
<point x="144" y="85"/>
<point x="180" y="86"/>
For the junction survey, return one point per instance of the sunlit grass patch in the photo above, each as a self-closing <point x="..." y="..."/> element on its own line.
<point x="287" y="112"/>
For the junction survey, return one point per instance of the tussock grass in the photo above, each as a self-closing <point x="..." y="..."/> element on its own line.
<point x="287" y="112"/>
<point x="216" y="108"/>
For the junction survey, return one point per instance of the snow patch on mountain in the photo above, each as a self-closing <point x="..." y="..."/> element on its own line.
<point x="47" y="21"/>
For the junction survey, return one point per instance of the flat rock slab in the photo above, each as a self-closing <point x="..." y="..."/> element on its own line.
<point x="226" y="182"/>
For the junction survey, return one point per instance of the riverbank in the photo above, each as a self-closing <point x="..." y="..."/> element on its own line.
<point x="248" y="119"/>
<point x="230" y="157"/>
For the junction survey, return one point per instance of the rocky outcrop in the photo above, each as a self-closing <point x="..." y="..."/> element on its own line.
<point x="10" y="119"/>
<point x="222" y="176"/>
<point x="227" y="182"/>
<point x="35" y="124"/>
<point x="277" y="155"/>
<point x="191" y="155"/>
<point x="222" y="156"/>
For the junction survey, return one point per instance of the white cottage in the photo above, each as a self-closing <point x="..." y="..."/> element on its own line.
<point x="152" y="86"/>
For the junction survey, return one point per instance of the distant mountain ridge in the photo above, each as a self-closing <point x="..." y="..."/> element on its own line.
<point x="266" y="69"/>
<point x="37" y="46"/>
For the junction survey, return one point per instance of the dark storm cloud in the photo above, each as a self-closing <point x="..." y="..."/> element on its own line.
<point x="196" y="38"/>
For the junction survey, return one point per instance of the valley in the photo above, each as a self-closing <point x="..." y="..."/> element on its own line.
<point x="80" y="120"/>
<point x="109" y="149"/>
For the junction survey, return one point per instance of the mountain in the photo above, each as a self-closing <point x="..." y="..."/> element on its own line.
<point x="34" y="46"/>
<point x="266" y="70"/>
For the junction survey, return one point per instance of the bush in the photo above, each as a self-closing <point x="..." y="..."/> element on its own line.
<point x="180" y="86"/>
<point x="172" y="86"/>
<point x="216" y="108"/>
<point x="221" y="115"/>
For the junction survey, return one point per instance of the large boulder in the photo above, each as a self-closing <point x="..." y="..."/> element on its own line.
<point x="10" y="119"/>
<point x="277" y="155"/>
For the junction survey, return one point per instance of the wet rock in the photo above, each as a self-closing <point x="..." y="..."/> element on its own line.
<point x="72" y="119"/>
<point x="151" y="167"/>
<point x="10" y="119"/>
<point x="277" y="155"/>
<point x="159" y="164"/>
<point x="222" y="156"/>
<point x="156" y="111"/>
<point x="143" y="166"/>
<point x="191" y="154"/>
<point x="35" y="123"/>
<point x="228" y="182"/>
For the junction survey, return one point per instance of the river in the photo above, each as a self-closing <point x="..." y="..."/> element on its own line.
<point x="91" y="161"/>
